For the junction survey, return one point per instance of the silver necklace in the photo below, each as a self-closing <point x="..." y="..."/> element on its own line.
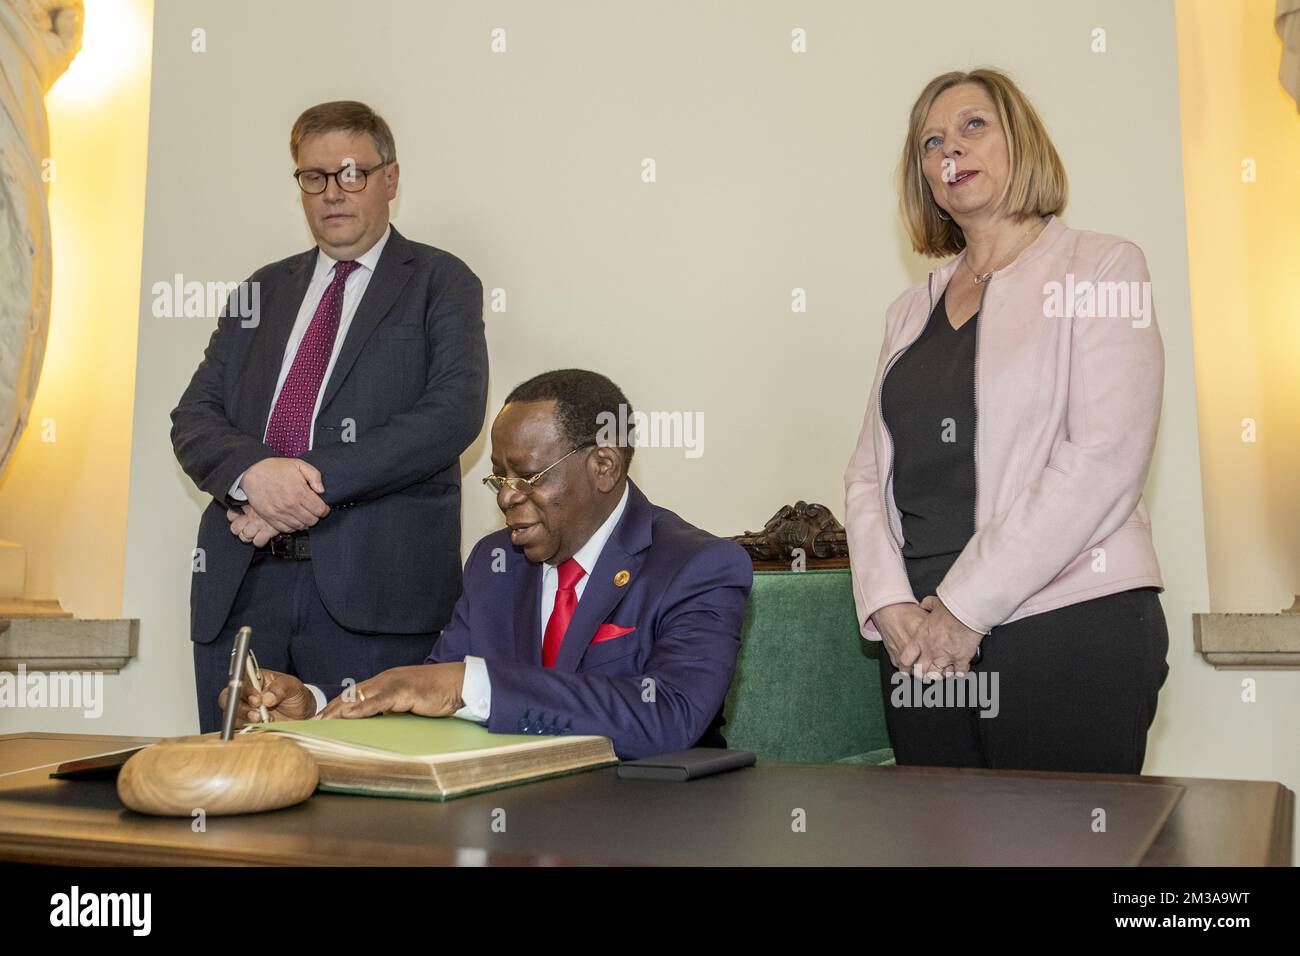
<point x="981" y="277"/>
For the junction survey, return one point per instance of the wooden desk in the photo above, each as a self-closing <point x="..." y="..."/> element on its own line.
<point x="739" y="818"/>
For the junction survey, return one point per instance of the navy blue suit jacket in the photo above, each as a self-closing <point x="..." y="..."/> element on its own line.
<point x="656" y="689"/>
<point x="405" y="398"/>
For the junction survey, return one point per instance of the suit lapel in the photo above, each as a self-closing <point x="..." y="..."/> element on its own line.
<point x="528" y="611"/>
<point x="391" y="274"/>
<point x="599" y="599"/>
<point x="266" y="354"/>
<point x="624" y="551"/>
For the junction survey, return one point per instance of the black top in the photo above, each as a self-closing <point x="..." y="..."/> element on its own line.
<point x="928" y="404"/>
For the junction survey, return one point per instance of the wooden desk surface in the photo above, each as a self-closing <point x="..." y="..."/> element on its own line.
<point x="591" y="818"/>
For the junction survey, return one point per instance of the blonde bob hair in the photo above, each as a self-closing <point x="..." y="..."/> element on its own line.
<point x="1037" y="185"/>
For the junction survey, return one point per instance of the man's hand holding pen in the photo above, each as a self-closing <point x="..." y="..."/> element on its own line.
<point x="284" y="696"/>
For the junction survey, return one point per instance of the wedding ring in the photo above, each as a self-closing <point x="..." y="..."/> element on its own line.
<point x="361" y="695"/>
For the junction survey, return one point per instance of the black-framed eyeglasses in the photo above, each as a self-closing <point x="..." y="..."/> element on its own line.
<point x="350" y="179"/>
<point x="525" y="485"/>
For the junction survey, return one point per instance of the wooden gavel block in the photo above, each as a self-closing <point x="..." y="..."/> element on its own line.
<point x="249" y="774"/>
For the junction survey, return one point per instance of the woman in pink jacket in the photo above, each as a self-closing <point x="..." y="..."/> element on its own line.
<point x="1000" y="545"/>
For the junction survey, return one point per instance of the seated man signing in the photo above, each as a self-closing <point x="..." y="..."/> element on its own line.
<point x="593" y="612"/>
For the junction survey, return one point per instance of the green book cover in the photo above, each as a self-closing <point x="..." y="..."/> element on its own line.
<point x="404" y="734"/>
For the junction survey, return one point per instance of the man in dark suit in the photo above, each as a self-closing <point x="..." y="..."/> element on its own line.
<point x="592" y="612"/>
<point x="328" y="431"/>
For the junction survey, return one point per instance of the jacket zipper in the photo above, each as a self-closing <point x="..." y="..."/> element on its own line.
<point x="880" y="410"/>
<point x="975" y="434"/>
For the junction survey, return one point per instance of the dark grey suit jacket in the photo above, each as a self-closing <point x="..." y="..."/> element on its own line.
<point x="410" y="383"/>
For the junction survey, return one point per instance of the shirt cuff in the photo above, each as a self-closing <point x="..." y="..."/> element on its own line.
<point x="319" y="695"/>
<point x="476" y="691"/>
<point x="239" y="494"/>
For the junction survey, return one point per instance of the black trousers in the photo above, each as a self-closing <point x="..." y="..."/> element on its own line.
<point x="294" y="633"/>
<point x="1069" y="690"/>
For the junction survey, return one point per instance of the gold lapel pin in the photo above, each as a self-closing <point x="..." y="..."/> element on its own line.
<point x="622" y="578"/>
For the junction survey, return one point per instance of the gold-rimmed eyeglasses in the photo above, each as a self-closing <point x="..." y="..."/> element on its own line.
<point x="525" y="485"/>
<point x="350" y="178"/>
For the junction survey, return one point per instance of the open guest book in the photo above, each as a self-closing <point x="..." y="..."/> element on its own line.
<point x="433" y="758"/>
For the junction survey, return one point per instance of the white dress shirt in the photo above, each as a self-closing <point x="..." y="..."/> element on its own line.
<point x="353" y="290"/>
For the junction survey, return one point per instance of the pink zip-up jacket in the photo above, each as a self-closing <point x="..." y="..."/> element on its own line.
<point x="1069" y="374"/>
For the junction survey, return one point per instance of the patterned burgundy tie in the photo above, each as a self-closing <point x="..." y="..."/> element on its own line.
<point x="289" y="431"/>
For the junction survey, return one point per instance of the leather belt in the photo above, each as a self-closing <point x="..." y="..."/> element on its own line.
<point x="295" y="546"/>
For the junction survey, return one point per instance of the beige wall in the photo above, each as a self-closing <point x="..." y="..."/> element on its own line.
<point x="774" y="172"/>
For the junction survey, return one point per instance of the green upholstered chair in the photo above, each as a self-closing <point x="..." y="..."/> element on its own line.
<point x="807" y="686"/>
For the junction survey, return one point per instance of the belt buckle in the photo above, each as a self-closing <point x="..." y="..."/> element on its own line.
<point x="285" y="545"/>
<point x="294" y="546"/>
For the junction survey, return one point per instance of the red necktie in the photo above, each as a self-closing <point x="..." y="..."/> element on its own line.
<point x="289" y="430"/>
<point x="566" y="600"/>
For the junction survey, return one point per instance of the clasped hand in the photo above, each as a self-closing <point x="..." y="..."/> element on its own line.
<point x="284" y="495"/>
<point x="926" y="640"/>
